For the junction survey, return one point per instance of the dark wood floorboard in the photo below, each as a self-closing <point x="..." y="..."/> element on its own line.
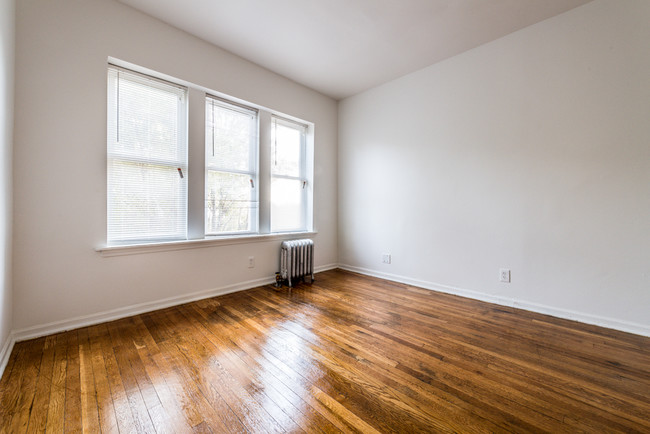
<point x="349" y="353"/>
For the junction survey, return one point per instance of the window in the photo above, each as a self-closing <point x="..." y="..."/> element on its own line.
<point x="256" y="176"/>
<point x="231" y="168"/>
<point x="288" y="176"/>
<point x="147" y="158"/>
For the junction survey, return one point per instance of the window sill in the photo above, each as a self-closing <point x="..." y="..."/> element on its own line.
<point x="136" y="249"/>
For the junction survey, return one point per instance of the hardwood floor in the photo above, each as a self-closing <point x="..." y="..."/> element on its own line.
<point x="349" y="353"/>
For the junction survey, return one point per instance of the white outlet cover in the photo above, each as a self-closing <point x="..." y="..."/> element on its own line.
<point x="504" y="275"/>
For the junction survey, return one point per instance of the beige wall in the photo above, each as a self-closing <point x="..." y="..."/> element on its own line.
<point x="60" y="161"/>
<point x="531" y="153"/>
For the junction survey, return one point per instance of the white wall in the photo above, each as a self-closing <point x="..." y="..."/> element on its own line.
<point x="7" y="29"/>
<point x="60" y="163"/>
<point x="530" y="153"/>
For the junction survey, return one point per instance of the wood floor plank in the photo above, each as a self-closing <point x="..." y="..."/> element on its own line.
<point x="141" y="418"/>
<point x="364" y="394"/>
<point x="295" y="384"/>
<point x="556" y="367"/>
<point x="163" y="409"/>
<point x="31" y="365"/>
<point x="9" y="393"/>
<point x="38" y="415"/>
<point x="105" y="406"/>
<point x="72" y="422"/>
<point x="376" y="365"/>
<point x="56" y="406"/>
<point x="162" y="379"/>
<point x="240" y="379"/>
<point x="515" y="361"/>
<point x="249" y="411"/>
<point x="123" y="415"/>
<point x="263" y="376"/>
<point x="349" y="353"/>
<point x="493" y="388"/>
<point x="90" y="420"/>
<point x="199" y="406"/>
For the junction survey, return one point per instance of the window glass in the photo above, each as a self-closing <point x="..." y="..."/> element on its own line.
<point x="231" y="168"/>
<point x="148" y="166"/>
<point x="288" y="176"/>
<point x="147" y="153"/>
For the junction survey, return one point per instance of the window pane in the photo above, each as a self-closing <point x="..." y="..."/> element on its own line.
<point x="287" y="210"/>
<point x="231" y="164"/>
<point x="286" y="147"/>
<point x="146" y="119"/>
<point x="145" y="202"/>
<point x="146" y="145"/>
<point x="230" y="203"/>
<point x="230" y="137"/>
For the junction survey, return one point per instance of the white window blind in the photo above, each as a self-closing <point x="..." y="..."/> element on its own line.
<point x="231" y="190"/>
<point x="147" y="159"/>
<point x="288" y="176"/>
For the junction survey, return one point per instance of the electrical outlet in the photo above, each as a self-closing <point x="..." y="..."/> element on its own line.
<point x="385" y="258"/>
<point x="251" y="262"/>
<point x="504" y="275"/>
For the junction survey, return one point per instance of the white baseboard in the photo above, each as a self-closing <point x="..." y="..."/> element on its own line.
<point x="325" y="267"/>
<point x="616" y="324"/>
<point x="123" y="312"/>
<point x="5" y="352"/>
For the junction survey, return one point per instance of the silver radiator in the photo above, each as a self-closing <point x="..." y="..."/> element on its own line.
<point x="297" y="260"/>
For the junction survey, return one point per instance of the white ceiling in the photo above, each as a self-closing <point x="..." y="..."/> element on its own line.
<point x="342" y="47"/>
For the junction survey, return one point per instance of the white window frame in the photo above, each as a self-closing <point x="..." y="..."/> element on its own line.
<point x="195" y="204"/>
<point x="302" y="176"/>
<point x="253" y="223"/>
<point x="114" y="155"/>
